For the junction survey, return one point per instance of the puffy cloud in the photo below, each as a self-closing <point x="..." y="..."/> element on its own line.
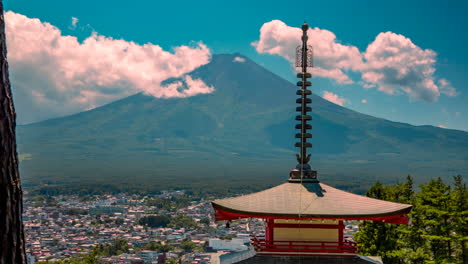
<point x="392" y="62"/>
<point x="239" y="59"/>
<point x="395" y="65"/>
<point x="331" y="59"/>
<point x="334" y="98"/>
<point x="54" y="75"/>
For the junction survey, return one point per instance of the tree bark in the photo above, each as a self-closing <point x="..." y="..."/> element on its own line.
<point x="12" y="249"/>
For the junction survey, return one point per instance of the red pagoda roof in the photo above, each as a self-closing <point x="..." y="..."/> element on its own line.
<point x="309" y="200"/>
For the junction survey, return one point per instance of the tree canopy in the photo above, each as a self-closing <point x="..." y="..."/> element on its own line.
<point x="438" y="232"/>
<point x="154" y="221"/>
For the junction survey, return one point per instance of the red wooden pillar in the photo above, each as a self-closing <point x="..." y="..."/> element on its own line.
<point x="269" y="229"/>
<point x="341" y="232"/>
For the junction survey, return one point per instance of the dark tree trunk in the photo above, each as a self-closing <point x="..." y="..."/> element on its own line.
<point x="12" y="250"/>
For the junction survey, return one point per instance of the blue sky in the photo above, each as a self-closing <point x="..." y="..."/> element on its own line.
<point x="231" y="26"/>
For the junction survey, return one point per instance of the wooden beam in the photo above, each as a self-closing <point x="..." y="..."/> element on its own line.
<point x="322" y="226"/>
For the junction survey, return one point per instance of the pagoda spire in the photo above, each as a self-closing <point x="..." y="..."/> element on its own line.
<point x="304" y="54"/>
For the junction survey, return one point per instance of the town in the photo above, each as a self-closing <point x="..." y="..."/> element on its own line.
<point x="171" y="227"/>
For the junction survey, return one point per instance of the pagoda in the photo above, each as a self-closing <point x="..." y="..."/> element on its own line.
<point x="304" y="216"/>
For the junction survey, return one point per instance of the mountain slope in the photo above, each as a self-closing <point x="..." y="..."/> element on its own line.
<point x="243" y="129"/>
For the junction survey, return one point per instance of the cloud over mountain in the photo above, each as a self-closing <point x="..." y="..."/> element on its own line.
<point x="392" y="62"/>
<point x="53" y="74"/>
<point x="334" y="98"/>
<point x="331" y="58"/>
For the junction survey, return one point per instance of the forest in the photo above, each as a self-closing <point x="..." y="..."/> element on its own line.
<point x="437" y="233"/>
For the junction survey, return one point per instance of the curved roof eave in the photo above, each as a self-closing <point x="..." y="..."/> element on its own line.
<point x="311" y="200"/>
<point x="244" y="214"/>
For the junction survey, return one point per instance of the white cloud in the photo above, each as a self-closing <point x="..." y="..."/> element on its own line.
<point x="335" y="74"/>
<point x="184" y="88"/>
<point x="239" y="59"/>
<point x="334" y="98"/>
<point x="331" y="59"/>
<point x="392" y="62"/>
<point x="54" y="75"/>
<point x="74" y="22"/>
<point x="447" y="88"/>
<point x="441" y="126"/>
<point x="395" y="65"/>
<point x="364" y="101"/>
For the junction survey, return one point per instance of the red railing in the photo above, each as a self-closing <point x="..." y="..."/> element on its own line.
<point x="260" y="244"/>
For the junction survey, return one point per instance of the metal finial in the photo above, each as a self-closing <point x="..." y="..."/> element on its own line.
<point x="303" y="171"/>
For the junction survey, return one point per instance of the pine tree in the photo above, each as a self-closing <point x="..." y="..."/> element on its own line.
<point x="377" y="238"/>
<point x="436" y="218"/>
<point x="460" y="218"/>
<point x="438" y="232"/>
<point x="411" y="247"/>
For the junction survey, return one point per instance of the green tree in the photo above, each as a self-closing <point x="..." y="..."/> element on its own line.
<point x="438" y="229"/>
<point x="435" y="202"/>
<point x="377" y="238"/>
<point x="154" y="246"/>
<point x="460" y="218"/>
<point x="411" y="246"/>
<point x="227" y="237"/>
<point x="119" y="246"/>
<point x="205" y="221"/>
<point x="182" y="221"/>
<point x="166" y="248"/>
<point x="75" y="211"/>
<point x="172" y="261"/>
<point x="188" y="246"/>
<point x="154" y="221"/>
